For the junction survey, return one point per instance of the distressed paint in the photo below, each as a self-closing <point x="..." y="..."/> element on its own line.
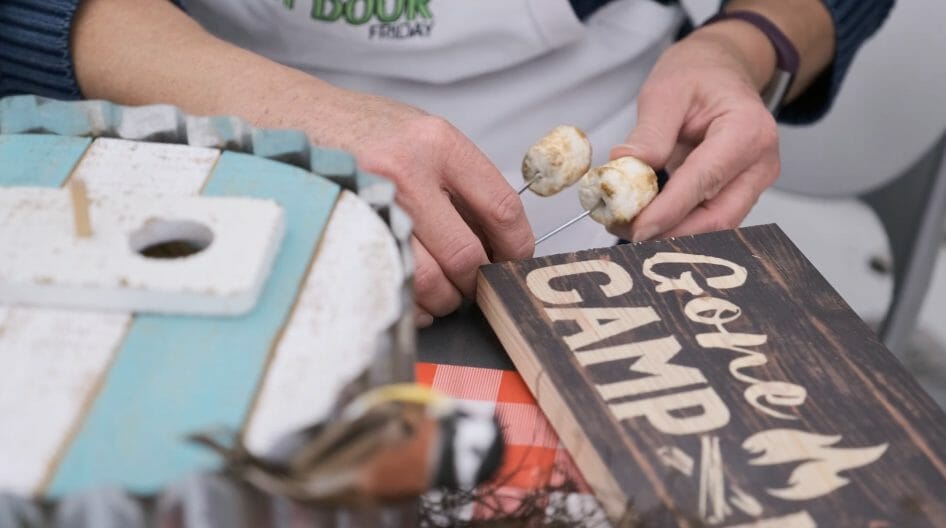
<point x="116" y="167"/>
<point x="38" y="160"/>
<point x="106" y="270"/>
<point x="176" y="375"/>
<point x="55" y="356"/>
<point x="350" y="299"/>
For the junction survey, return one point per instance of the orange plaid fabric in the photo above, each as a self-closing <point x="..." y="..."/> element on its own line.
<point x="534" y="457"/>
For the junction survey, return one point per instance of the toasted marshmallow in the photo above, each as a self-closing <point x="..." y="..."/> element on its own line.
<point x="618" y="190"/>
<point x="557" y="160"/>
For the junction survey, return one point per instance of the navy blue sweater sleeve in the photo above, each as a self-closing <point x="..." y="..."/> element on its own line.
<point x="34" y="48"/>
<point x="854" y="22"/>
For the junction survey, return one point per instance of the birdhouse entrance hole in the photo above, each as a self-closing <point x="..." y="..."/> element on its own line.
<point x="169" y="239"/>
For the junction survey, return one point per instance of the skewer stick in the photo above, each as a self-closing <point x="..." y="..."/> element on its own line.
<point x="80" y="208"/>
<point x="528" y="184"/>
<point x="567" y="224"/>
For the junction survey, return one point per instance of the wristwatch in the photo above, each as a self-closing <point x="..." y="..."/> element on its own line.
<point x="785" y="53"/>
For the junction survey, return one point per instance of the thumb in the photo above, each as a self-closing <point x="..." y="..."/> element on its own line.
<point x="659" y="121"/>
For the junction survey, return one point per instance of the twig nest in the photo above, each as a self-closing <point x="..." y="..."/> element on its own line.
<point x="617" y="191"/>
<point x="557" y="160"/>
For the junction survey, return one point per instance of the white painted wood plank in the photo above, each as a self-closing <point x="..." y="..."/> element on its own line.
<point x="110" y="167"/>
<point x="350" y="297"/>
<point x="52" y="361"/>
<point x="114" y="167"/>
<point x="106" y="270"/>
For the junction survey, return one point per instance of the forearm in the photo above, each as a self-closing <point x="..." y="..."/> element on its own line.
<point x="806" y="23"/>
<point x="148" y="51"/>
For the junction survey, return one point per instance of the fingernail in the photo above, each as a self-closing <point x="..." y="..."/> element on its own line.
<point x="624" y="149"/>
<point x="644" y="233"/>
<point x="424" y="320"/>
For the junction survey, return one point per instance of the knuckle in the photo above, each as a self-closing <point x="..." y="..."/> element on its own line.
<point x="749" y="196"/>
<point x="426" y="279"/>
<point x="465" y="256"/>
<point x="718" y="224"/>
<point x="432" y="292"/>
<point x="507" y="211"/>
<point x="651" y="91"/>
<point x="446" y="304"/>
<point x="766" y="130"/>
<point x="509" y="218"/>
<point x="433" y="130"/>
<point x="724" y="218"/>
<point x="711" y="182"/>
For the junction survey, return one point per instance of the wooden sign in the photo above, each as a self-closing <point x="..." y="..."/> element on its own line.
<point x="718" y="380"/>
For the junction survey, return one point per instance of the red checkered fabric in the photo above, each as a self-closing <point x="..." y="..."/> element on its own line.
<point x="535" y="458"/>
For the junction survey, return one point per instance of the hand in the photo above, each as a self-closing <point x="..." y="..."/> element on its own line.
<point x="700" y="116"/>
<point x="465" y="213"/>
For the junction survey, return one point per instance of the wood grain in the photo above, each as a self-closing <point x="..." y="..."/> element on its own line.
<point x="116" y="167"/>
<point x="54" y="359"/>
<point x="80" y="208"/>
<point x="39" y="160"/>
<point x="111" y="168"/>
<point x="179" y="374"/>
<point x="351" y="295"/>
<point x="718" y="380"/>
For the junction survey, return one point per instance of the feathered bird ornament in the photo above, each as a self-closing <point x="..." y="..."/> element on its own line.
<point x="394" y="442"/>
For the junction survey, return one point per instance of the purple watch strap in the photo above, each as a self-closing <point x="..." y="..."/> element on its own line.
<point x="786" y="56"/>
<point x="785" y="52"/>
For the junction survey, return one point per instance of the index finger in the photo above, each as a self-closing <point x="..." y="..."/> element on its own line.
<point x="490" y="202"/>
<point x="660" y="117"/>
<point x="727" y="151"/>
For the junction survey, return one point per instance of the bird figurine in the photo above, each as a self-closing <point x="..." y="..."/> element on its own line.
<point x="391" y="443"/>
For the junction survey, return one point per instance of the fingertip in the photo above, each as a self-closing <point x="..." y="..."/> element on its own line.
<point x="422" y="319"/>
<point x="644" y="232"/>
<point x="510" y="235"/>
<point x="654" y="151"/>
<point x="630" y="149"/>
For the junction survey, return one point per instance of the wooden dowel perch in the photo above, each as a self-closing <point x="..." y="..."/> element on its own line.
<point x="80" y="208"/>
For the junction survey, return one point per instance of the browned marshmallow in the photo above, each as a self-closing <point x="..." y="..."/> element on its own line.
<point x="557" y="160"/>
<point x="617" y="191"/>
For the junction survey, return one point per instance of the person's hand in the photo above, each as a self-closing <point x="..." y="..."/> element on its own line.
<point x="465" y="213"/>
<point x="700" y="117"/>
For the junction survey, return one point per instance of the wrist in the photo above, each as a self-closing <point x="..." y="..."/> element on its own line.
<point x="747" y="45"/>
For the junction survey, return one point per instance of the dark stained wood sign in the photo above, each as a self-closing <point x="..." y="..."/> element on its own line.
<point x="718" y="380"/>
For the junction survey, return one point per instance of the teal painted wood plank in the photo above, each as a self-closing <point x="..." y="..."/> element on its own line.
<point x="228" y="132"/>
<point x="39" y="160"/>
<point x="29" y="114"/>
<point x="19" y="114"/>
<point x="281" y="144"/>
<point x="178" y="375"/>
<point x="70" y="118"/>
<point x="333" y="163"/>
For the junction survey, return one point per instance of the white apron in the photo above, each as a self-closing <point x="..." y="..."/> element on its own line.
<point x="504" y="72"/>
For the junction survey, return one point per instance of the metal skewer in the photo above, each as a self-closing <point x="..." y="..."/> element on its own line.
<point x="567" y="224"/>
<point x="528" y="184"/>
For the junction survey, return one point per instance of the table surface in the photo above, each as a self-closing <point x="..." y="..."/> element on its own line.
<point x="462" y="338"/>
